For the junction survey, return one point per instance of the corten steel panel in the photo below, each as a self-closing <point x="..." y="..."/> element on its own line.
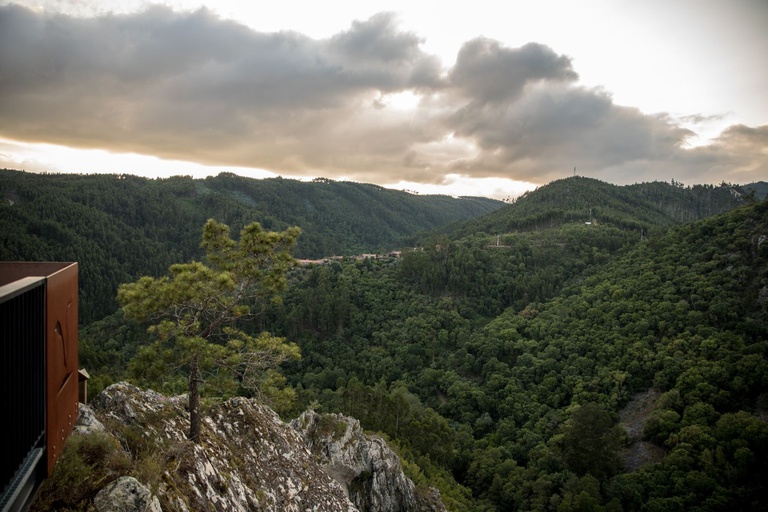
<point x="11" y="271"/>
<point x="61" y="358"/>
<point x="61" y="346"/>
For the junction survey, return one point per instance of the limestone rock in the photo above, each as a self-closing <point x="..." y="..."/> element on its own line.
<point x="248" y="459"/>
<point x="363" y="464"/>
<point x="633" y="417"/>
<point x="87" y="421"/>
<point x="126" y="494"/>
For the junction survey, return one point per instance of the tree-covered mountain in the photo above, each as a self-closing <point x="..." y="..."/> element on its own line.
<point x="119" y="227"/>
<point x="760" y="188"/>
<point x="504" y="356"/>
<point x="523" y="409"/>
<point x="640" y="207"/>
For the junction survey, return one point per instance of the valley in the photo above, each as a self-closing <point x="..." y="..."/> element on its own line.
<point x="506" y="350"/>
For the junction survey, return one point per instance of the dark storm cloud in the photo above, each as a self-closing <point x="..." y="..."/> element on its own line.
<point x="738" y="155"/>
<point x="192" y="86"/>
<point x="554" y="128"/>
<point x="488" y="72"/>
<point x="745" y="137"/>
<point x="377" y="47"/>
<point x="44" y="51"/>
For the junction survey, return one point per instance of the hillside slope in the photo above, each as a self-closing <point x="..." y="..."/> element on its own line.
<point x="684" y="314"/>
<point x="119" y="227"/>
<point x="641" y="207"/>
<point x="501" y="369"/>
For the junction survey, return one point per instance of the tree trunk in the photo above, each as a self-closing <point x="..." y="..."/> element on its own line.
<point x="194" y="400"/>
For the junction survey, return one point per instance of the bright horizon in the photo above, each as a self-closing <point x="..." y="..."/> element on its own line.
<point x="472" y="100"/>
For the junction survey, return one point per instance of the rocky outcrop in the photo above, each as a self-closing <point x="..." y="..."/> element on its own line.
<point x="363" y="464"/>
<point x="126" y="494"/>
<point x="632" y="417"/>
<point x="248" y="459"/>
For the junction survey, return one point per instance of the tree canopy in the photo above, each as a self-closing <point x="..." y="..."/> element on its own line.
<point x="194" y="312"/>
<point x="500" y="356"/>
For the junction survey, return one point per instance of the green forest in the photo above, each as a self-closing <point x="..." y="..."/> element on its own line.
<point x="586" y="347"/>
<point x="121" y="227"/>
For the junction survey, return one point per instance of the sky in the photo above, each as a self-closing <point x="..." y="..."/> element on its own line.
<point x="480" y="98"/>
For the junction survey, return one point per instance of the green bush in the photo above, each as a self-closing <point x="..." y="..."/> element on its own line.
<point x="87" y="464"/>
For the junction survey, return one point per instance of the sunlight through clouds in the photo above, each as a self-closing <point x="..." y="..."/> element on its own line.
<point x="386" y="92"/>
<point x="34" y="157"/>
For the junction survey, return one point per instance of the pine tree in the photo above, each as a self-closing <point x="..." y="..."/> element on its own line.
<point x="194" y="311"/>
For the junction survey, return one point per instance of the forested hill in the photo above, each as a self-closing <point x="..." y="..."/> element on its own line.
<point x="760" y="188"/>
<point x="524" y="409"/>
<point x="119" y="227"/>
<point x="508" y="368"/>
<point x="505" y="373"/>
<point x="644" y="206"/>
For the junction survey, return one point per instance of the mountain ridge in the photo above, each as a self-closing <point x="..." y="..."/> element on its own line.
<point x="501" y="364"/>
<point x="120" y="227"/>
<point x="638" y="207"/>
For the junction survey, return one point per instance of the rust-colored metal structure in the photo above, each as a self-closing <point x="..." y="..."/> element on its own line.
<point x="39" y="348"/>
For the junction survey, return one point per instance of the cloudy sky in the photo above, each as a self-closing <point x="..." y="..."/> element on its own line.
<point x="474" y="98"/>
